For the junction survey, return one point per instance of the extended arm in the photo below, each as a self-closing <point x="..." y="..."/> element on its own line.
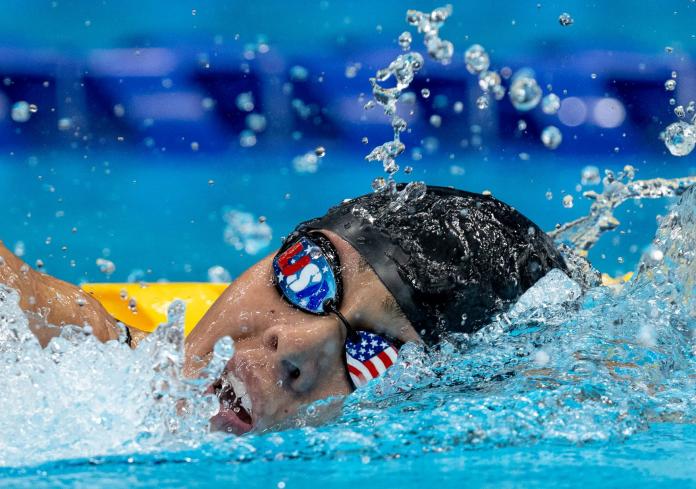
<point x="51" y="303"/>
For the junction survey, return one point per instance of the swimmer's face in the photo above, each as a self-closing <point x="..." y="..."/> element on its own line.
<point x="286" y="358"/>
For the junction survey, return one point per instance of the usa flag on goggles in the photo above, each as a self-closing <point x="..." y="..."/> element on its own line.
<point x="368" y="357"/>
<point x="305" y="277"/>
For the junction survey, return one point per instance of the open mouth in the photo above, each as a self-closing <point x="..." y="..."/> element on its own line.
<point x="235" y="406"/>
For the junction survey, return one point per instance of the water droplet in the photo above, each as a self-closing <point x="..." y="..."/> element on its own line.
<point x="425" y="93"/>
<point x="680" y="138"/>
<point x="298" y="73"/>
<point x="551" y="137"/>
<point x="194" y="146"/>
<point x="669" y="49"/>
<point x="378" y="184"/>
<point x="405" y="40"/>
<point x="521" y="125"/>
<point x="106" y="266"/>
<point x="670" y="85"/>
<point x="679" y="111"/>
<point x="20" y="111"/>
<point x="593" y="76"/>
<point x="549" y="195"/>
<point x="482" y="102"/>
<point x="435" y="120"/>
<point x="364" y="140"/>
<point x="590" y="176"/>
<point x="477" y="59"/>
<point x="247" y="138"/>
<point x="524" y="92"/>
<point x="408" y="170"/>
<point x="320" y="151"/>
<point x="458" y="107"/>
<point x="565" y="19"/>
<point x="568" y="201"/>
<point x="256" y="122"/>
<point x="488" y="80"/>
<point x="245" y="101"/>
<point x="550" y="104"/>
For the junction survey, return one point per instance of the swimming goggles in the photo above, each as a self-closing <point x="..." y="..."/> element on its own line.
<point x="307" y="275"/>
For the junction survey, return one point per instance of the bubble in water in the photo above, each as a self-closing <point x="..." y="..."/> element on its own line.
<point x="680" y="138"/>
<point x="568" y="201"/>
<point x="219" y="275"/>
<point x="320" y="151"/>
<point x="670" y="85"/>
<point x="590" y="176"/>
<point x="550" y="104"/>
<point x="524" y="92"/>
<point x="106" y="266"/>
<point x="477" y="59"/>
<point x="425" y="92"/>
<point x="20" y="111"/>
<point x="565" y="19"/>
<point x="482" y="102"/>
<point x="405" y="40"/>
<point x="551" y="137"/>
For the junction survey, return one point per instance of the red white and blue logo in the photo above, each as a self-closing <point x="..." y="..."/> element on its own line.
<point x="305" y="276"/>
<point x="368" y="357"/>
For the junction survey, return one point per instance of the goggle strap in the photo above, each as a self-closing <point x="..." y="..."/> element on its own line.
<point x="330" y="307"/>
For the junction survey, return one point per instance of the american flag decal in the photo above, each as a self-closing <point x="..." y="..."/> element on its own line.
<point x="369" y="357"/>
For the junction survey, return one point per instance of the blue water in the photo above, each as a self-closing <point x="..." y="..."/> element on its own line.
<point x="662" y="458"/>
<point x="160" y="214"/>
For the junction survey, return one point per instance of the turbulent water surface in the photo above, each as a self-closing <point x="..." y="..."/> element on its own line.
<point x="569" y="377"/>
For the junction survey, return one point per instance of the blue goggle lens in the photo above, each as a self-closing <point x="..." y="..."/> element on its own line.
<point x="305" y="276"/>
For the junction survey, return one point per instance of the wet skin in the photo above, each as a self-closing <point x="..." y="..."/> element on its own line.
<point x="287" y="358"/>
<point x="284" y="358"/>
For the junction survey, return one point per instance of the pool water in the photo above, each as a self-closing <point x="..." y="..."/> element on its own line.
<point x="162" y="216"/>
<point x="567" y="389"/>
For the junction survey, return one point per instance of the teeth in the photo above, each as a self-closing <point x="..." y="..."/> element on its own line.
<point x="240" y="391"/>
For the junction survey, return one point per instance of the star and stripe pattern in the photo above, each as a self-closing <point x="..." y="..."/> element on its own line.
<point x="368" y="357"/>
<point x="305" y="276"/>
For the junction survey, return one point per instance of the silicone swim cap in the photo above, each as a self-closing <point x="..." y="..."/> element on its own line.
<point x="451" y="259"/>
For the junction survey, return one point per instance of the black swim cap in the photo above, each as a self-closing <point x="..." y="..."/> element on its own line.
<point x="451" y="259"/>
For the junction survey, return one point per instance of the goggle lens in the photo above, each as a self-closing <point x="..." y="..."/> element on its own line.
<point x="307" y="276"/>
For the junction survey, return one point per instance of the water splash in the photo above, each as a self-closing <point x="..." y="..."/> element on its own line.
<point x="584" y="232"/>
<point x="402" y="71"/>
<point x="79" y="397"/>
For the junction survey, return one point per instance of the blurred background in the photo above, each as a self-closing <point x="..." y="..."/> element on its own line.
<point x="172" y="137"/>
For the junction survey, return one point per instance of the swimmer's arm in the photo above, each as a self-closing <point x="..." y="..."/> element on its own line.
<point x="51" y="304"/>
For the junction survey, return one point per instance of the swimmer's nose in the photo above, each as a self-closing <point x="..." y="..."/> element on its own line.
<point x="301" y="353"/>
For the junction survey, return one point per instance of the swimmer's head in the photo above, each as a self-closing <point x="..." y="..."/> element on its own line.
<point x="451" y="259"/>
<point x="329" y="310"/>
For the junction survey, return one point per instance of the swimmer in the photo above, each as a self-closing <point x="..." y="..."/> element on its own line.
<point x="329" y="311"/>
